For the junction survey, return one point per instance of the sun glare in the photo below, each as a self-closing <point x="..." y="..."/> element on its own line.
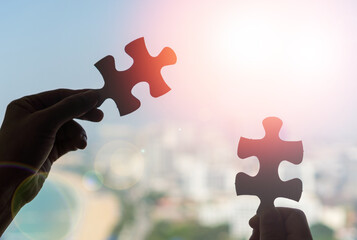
<point x="261" y="42"/>
<point x="250" y="42"/>
<point x="257" y="57"/>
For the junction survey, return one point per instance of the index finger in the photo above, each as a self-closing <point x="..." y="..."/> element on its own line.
<point x="46" y="99"/>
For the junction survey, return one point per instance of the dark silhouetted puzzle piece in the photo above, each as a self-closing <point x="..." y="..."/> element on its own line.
<point x="270" y="151"/>
<point x="118" y="84"/>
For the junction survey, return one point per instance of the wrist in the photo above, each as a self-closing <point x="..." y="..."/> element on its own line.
<point x="6" y="213"/>
<point x="10" y="180"/>
<point x="6" y="217"/>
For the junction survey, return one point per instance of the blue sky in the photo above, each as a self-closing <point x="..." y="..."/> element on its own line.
<point x="48" y="45"/>
<point x="238" y="61"/>
<point x="231" y="69"/>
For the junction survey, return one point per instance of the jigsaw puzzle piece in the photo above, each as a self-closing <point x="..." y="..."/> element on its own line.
<point x="106" y="67"/>
<point x="149" y="68"/>
<point x="248" y="147"/>
<point x="292" y="151"/>
<point x="291" y="189"/>
<point x="118" y="85"/>
<point x="262" y="188"/>
<point x="270" y="151"/>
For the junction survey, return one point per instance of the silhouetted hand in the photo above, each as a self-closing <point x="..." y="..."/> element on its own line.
<point x="36" y="131"/>
<point x="280" y="224"/>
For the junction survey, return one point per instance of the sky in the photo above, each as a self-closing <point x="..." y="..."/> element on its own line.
<point x="238" y="61"/>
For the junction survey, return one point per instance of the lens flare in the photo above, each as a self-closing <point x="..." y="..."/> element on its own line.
<point x="92" y="180"/>
<point x="53" y="214"/>
<point x="120" y="163"/>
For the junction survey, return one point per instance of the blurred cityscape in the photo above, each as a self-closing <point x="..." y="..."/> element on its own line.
<point x="169" y="181"/>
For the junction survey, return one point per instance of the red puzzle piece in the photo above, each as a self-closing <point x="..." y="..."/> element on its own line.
<point x="270" y="151"/>
<point x="118" y="84"/>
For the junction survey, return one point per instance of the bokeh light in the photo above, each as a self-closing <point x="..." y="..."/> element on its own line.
<point x="238" y="62"/>
<point x="120" y="163"/>
<point x="53" y="214"/>
<point x="92" y="180"/>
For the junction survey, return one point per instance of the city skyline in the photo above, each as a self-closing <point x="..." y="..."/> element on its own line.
<point x="238" y="62"/>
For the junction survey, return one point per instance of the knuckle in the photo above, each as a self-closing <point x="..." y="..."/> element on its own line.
<point x="22" y="102"/>
<point x="14" y="103"/>
<point x="63" y="89"/>
<point x="12" y="110"/>
<point x="63" y="92"/>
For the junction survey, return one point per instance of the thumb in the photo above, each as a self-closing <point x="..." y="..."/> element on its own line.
<point x="71" y="107"/>
<point x="271" y="225"/>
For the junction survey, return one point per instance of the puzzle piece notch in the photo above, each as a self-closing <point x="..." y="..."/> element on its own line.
<point x="145" y="68"/>
<point x="270" y="151"/>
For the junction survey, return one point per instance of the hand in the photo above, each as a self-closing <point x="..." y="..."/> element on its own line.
<point x="280" y="224"/>
<point x="36" y="131"/>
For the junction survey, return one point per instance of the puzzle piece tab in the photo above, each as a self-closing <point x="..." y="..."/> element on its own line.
<point x="270" y="151"/>
<point x="145" y="68"/>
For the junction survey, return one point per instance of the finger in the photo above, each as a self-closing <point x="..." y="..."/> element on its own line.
<point x="70" y="137"/>
<point x="73" y="135"/>
<point x="271" y="225"/>
<point x="255" y="235"/>
<point x="254" y="222"/>
<point x="295" y="223"/>
<point x="46" y="99"/>
<point x="94" y="115"/>
<point x="71" y="107"/>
